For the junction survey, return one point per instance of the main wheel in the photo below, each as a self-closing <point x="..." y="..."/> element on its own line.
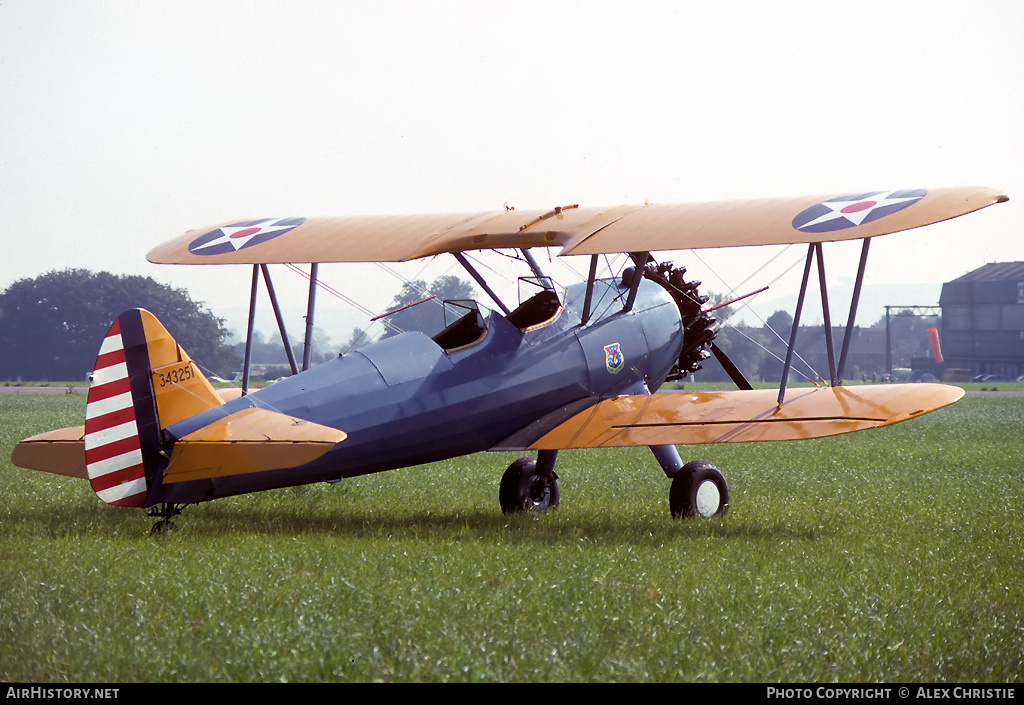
<point x="699" y="490"/>
<point x="523" y="489"/>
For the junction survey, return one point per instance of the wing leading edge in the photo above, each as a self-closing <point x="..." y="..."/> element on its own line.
<point x="577" y="231"/>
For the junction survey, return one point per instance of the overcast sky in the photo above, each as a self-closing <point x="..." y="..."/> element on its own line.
<point x="124" y="124"/>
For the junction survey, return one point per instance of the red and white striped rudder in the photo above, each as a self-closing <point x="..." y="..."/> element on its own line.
<point x="121" y="429"/>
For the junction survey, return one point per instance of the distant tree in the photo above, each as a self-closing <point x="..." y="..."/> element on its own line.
<point x="51" y="326"/>
<point x="427" y="317"/>
<point x="743" y="345"/>
<point x="776" y="332"/>
<point x="781" y="322"/>
<point x="358" y="339"/>
<point x="322" y="348"/>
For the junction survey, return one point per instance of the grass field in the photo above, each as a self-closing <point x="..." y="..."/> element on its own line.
<point x="892" y="555"/>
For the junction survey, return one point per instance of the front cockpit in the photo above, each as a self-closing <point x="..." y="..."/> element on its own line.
<point x="470" y="328"/>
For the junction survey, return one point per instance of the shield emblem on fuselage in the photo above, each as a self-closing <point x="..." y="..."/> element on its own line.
<point x="614" y="360"/>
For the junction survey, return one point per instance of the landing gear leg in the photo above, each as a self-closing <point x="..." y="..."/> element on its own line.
<point x="164" y="512"/>
<point x="530" y="484"/>
<point x="668" y="457"/>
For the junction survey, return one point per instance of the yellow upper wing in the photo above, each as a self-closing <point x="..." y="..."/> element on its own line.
<point x="577" y="231"/>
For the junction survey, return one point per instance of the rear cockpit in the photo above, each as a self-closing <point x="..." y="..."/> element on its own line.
<point x="468" y="330"/>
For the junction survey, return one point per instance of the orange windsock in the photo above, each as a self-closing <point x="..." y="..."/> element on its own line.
<point x="933" y="336"/>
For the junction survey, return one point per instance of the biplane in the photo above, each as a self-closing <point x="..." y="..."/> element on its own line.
<point x="578" y="367"/>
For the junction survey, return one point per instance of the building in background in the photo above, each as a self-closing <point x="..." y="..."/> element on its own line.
<point x="983" y="320"/>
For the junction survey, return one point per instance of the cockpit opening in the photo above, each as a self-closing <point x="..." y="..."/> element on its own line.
<point x="537" y="311"/>
<point x="466" y="331"/>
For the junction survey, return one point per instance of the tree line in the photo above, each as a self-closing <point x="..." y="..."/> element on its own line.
<point x="51" y="326"/>
<point x="760" y="351"/>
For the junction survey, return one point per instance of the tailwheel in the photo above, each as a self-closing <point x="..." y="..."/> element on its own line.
<point x="526" y="488"/>
<point x="699" y="490"/>
<point x="164" y="512"/>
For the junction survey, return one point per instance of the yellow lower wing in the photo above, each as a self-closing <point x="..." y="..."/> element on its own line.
<point x="688" y="418"/>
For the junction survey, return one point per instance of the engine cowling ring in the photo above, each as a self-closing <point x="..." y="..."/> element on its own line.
<point x="699" y="328"/>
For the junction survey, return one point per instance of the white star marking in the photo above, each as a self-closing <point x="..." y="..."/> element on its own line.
<point x="857" y="210"/>
<point x="238" y="236"/>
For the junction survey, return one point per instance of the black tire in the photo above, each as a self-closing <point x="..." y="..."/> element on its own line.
<point x="523" y="490"/>
<point x="699" y="490"/>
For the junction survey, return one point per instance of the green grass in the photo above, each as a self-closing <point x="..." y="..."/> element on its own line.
<point x="890" y="555"/>
<point x="967" y="386"/>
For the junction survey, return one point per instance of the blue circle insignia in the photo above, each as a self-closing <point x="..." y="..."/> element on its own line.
<point x="238" y="236"/>
<point x="854" y="210"/>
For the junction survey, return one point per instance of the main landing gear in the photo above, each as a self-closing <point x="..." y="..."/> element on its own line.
<point x="530" y="484"/>
<point x="698" y="488"/>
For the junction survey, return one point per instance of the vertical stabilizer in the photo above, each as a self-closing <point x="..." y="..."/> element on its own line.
<point x="142" y="382"/>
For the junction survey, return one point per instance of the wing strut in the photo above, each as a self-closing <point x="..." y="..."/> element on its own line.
<point x="835" y="373"/>
<point x="796" y="325"/>
<point x="307" y="346"/>
<point x="848" y="336"/>
<point x="247" y="365"/>
<point x="588" y="302"/>
<point x="481" y="281"/>
<point x="280" y="318"/>
<point x="249" y="327"/>
<point x="827" y="318"/>
<point x="640" y="261"/>
<point x="532" y="261"/>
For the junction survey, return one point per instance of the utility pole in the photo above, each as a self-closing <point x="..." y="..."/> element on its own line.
<point x="888" y="331"/>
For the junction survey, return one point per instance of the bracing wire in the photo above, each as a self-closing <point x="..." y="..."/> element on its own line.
<point x="811" y="375"/>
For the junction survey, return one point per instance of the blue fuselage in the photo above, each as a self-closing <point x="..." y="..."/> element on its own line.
<point x="405" y="400"/>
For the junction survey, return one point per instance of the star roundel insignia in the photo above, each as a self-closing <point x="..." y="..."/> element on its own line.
<point x="238" y="236"/>
<point x="851" y="211"/>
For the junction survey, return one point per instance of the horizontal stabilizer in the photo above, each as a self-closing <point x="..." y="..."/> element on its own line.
<point x="248" y="441"/>
<point x="687" y="418"/>
<point x="61" y="452"/>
